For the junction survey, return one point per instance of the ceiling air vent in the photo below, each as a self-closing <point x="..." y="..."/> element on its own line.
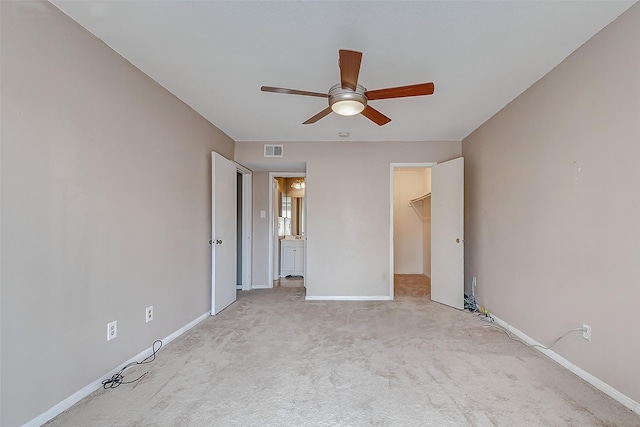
<point x="273" y="150"/>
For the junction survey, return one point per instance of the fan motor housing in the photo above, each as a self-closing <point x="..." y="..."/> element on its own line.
<point x="340" y="97"/>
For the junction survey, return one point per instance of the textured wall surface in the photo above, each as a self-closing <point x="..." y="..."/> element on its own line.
<point x="552" y="206"/>
<point x="106" y="209"/>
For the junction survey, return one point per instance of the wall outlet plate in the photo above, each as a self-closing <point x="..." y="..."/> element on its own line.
<point x="112" y="330"/>
<point x="149" y="314"/>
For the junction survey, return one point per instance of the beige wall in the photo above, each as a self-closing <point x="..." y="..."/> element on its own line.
<point x="105" y="209"/>
<point x="260" y="255"/>
<point x="347" y="226"/>
<point x="552" y="206"/>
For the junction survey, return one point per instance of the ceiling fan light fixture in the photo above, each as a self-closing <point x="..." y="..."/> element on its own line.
<point x="347" y="107"/>
<point x="348" y="98"/>
<point x="347" y="102"/>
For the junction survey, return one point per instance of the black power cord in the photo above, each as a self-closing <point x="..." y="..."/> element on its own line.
<point x="118" y="379"/>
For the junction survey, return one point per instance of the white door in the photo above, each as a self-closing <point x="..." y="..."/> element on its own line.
<point x="275" y="238"/>
<point x="223" y="232"/>
<point x="447" y="233"/>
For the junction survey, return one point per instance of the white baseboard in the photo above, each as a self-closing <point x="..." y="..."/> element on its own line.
<point x="596" y="382"/>
<point x="90" y="388"/>
<point x="262" y="287"/>
<point x="348" y="298"/>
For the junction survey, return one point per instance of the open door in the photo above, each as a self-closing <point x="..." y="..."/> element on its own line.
<point x="447" y="233"/>
<point x="223" y="232"/>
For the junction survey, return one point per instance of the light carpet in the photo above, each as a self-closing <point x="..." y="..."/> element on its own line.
<point x="272" y="359"/>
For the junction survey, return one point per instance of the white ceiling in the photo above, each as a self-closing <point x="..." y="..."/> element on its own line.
<point x="215" y="55"/>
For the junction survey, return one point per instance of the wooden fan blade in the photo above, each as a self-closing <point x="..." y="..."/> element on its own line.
<point x="349" y="68"/>
<point x="375" y="116"/>
<point x="400" y="92"/>
<point x="292" y="91"/>
<point x="318" y="116"/>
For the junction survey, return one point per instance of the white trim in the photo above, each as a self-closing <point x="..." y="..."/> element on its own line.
<point x="247" y="212"/>
<point x="93" y="386"/>
<point x="392" y="168"/>
<point x="596" y="382"/>
<point x="348" y="298"/>
<point x="274" y="271"/>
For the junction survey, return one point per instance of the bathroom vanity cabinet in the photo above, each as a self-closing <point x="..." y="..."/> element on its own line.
<point x="291" y="257"/>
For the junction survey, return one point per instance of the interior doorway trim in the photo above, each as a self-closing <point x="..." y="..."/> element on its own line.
<point x="393" y="167"/>
<point x="272" y="229"/>
<point x="247" y="197"/>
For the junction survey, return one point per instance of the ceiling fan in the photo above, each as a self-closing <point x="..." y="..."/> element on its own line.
<point x="348" y="98"/>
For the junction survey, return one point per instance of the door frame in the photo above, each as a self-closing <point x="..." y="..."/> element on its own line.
<point x="247" y="213"/>
<point x="393" y="167"/>
<point x="273" y="175"/>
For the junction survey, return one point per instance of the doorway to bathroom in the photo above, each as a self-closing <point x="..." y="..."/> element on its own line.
<point x="287" y="209"/>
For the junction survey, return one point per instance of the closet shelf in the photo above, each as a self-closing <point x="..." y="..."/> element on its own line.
<point x="419" y="199"/>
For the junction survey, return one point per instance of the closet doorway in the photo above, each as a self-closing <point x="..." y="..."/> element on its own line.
<point x="412" y="231"/>
<point x="434" y="248"/>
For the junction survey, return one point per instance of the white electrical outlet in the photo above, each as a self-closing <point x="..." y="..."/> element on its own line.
<point x="149" y="314"/>
<point x="586" y="333"/>
<point x="383" y="276"/>
<point x="112" y="330"/>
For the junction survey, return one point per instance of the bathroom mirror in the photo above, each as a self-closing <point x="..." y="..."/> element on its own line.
<point x="291" y="215"/>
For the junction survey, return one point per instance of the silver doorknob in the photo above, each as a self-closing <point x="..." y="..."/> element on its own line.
<point x="218" y="242"/>
<point x="457" y="240"/>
